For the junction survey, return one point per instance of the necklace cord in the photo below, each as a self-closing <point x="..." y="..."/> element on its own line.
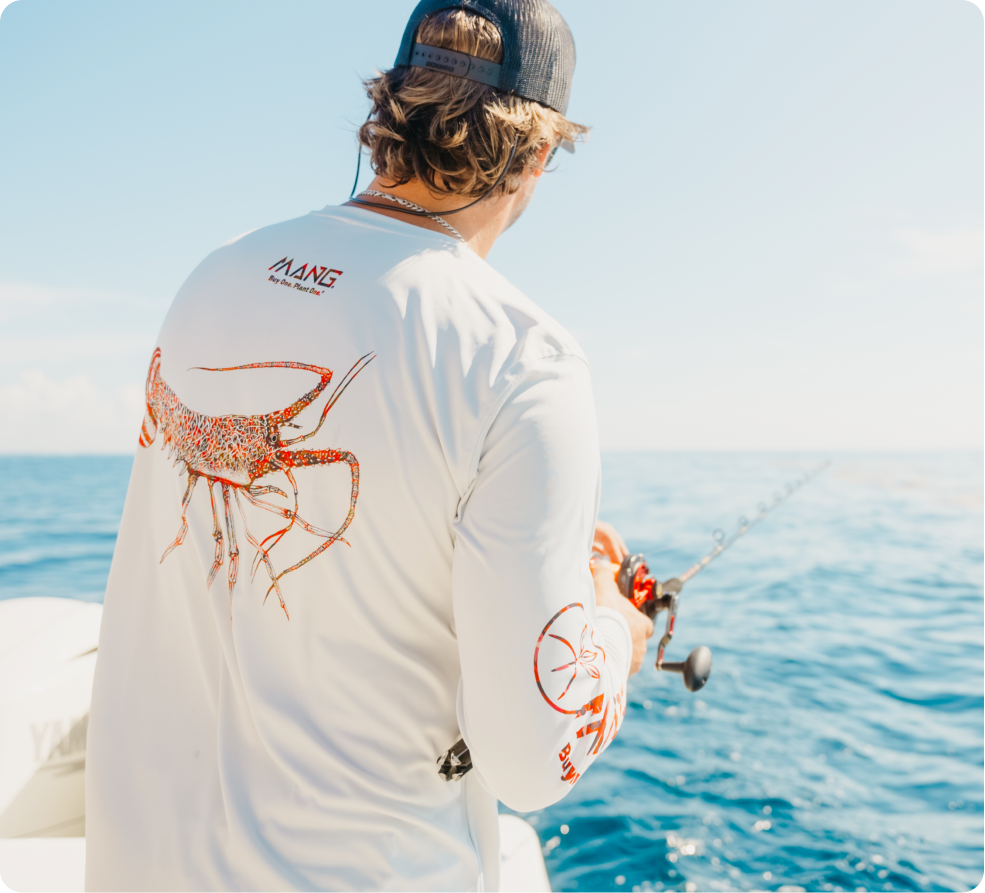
<point x="424" y="213"/>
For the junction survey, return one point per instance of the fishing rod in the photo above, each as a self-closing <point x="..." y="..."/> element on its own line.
<point x="651" y="596"/>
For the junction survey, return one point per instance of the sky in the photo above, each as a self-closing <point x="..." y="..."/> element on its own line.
<point x="773" y="239"/>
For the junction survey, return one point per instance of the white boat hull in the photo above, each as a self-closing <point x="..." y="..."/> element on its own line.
<point x="47" y="658"/>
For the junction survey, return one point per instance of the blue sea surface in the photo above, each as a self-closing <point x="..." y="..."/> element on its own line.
<point x="838" y="744"/>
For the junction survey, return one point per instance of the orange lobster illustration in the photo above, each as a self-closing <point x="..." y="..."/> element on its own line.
<point x="235" y="451"/>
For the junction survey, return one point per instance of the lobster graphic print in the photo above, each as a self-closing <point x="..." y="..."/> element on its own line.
<point x="235" y="452"/>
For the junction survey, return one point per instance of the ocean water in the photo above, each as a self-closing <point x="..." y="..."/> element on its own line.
<point x="838" y="744"/>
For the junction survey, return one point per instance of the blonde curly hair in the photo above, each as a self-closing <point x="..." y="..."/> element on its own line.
<point x="453" y="134"/>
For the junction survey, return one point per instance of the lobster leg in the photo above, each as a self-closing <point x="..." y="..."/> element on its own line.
<point x="192" y="480"/>
<point x="278" y="535"/>
<point x="217" y="536"/>
<point x="233" y="547"/>
<point x="293" y="515"/>
<point x="259" y="491"/>
<point x="302" y="458"/>
<point x="262" y="553"/>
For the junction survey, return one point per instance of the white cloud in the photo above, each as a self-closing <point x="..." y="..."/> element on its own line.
<point x="70" y="323"/>
<point x="18" y="295"/>
<point x="67" y="348"/>
<point x="906" y="393"/>
<point x="958" y="250"/>
<point x="44" y="415"/>
<point x="64" y="351"/>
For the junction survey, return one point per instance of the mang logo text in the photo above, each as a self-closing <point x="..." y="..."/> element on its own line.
<point x="297" y="277"/>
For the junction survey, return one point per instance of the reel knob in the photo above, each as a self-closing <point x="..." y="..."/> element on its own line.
<point x="695" y="670"/>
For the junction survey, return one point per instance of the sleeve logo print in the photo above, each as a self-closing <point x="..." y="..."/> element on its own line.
<point x="304" y="277"/>
<point x="235" y="451"/>
<point x="567" y="662"/>
<point x="568" y="666"/>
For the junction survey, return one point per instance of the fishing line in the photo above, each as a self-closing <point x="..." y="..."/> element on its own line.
<point x="651" y="596"/>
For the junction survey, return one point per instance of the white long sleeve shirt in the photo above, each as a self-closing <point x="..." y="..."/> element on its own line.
<point x="374" y="563"/>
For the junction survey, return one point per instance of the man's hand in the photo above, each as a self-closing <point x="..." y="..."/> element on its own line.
<point x="609" y="543"/>
<point x="608" y="595"/>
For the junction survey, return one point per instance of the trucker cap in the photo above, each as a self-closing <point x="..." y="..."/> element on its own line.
<point x="538" y="49"/>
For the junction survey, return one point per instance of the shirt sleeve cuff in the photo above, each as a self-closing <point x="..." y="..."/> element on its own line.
<point x="618" y="641"/>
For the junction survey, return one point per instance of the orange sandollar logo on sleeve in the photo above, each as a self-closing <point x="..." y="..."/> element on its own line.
<point x="567" y="662"/>
<point x="567" y="666"/>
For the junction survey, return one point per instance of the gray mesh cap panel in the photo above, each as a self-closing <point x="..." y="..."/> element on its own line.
<point x="538" y="49"/>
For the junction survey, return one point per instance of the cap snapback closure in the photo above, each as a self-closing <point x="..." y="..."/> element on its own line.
<point x="458" y="64"/>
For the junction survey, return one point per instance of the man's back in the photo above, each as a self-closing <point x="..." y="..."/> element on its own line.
<point x="239" y="742"/>
<point x="359" y="528"/>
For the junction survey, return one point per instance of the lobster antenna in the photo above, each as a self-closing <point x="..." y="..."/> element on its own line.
<point x="342" y="385"/>
<point x="347" y="379"/>
<point x="279" y="364"/>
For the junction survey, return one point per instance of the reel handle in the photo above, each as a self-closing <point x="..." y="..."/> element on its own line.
<point x="695" y="670"/>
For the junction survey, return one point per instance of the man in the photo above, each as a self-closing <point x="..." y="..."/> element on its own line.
<point x="360" y="521"/>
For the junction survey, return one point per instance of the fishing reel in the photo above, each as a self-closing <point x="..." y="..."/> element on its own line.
<point x="651" y="597"/>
